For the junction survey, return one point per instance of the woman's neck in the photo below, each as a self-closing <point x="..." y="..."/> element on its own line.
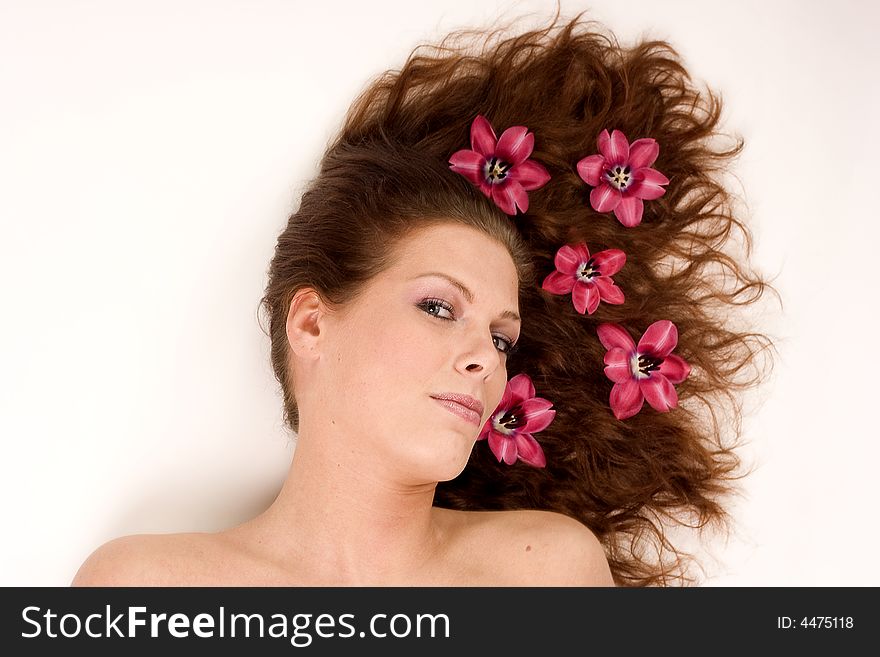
<point x="346" y="520"/>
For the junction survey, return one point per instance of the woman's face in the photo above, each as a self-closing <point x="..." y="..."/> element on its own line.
<point x="414" y="334"/>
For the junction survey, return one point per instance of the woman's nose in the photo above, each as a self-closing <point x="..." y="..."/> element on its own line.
<point x="482" y="356"/>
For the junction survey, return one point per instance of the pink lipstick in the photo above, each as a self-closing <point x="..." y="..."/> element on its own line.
<point x="464" y="406"/>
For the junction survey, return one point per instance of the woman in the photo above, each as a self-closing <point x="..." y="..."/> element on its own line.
<point x="467" y="325"/>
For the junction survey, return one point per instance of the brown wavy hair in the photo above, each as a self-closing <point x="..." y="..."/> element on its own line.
<point x="386" y="174"/>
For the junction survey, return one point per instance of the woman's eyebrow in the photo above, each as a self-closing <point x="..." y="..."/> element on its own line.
<point x="465" y="291"/>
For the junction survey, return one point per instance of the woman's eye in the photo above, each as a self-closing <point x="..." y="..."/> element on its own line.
<point x="435" y="308"/>
<point x="503" y="344"/>
<point x="508" y="345"/>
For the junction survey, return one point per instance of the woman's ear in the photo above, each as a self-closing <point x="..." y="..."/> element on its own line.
<point x="304" y="322"/>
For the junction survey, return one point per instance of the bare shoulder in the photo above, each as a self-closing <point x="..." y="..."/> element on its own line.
<point x="553" y="549"/>
<point x="142" y="560"/>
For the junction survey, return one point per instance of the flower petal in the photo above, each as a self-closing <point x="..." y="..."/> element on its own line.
<point x="646" y="184"/>
<point x="643" y="152"/>
<point x="520" y="196"/>
<point x="504" y="196"/>
<point x="537" y="413"/>
<point x="483" y="136"/>
<point x="614" y="335"/>
<point x="495" y="443"/>
<point x="508" y="401"/>
<point x="650" y="177"/>
<point x="470" y="164"/>
<point x="609" y="261"/>
<point x="567" y="259"/>
<point x="608" y="291"/>
<point x="530" y="451"/>
<point x="583" y="253"/>
<point x="590" y="168"/>
<point x="615" y="148"/>
<point x="645" y="191"/>
<point x="530" y="174"/>
<point x="515" y="144"/>
<point x="659" y="339"/>
<point x="659" y="392"/>
<point x="535" y="406"/>
<point x="674" y="368"/>
<point x="626" y="399"/>
<point x="558" y="283"/>
<point x="521" y="388"/>
<point x="603" y="139"/>
<point x="503" y="447"/>
<point x="617" y="365"/>
<point x="604" y="198"/>
<point x="580" y="296"/>
<point x="593" y="298"/>
<point x="629" y="211"/>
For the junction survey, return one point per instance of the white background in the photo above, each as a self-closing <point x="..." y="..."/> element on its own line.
<point x="150" y="153"/>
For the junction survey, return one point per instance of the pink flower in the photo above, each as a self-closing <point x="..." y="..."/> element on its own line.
<point x="587" y="278"/>
<point x="646" y="371"/>
<point x="517" y="417"/>
<point x="621" y="176"/>
<point x="500" y="167"/>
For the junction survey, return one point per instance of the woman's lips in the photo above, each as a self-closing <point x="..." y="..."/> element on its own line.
<point x="461" y="411"/>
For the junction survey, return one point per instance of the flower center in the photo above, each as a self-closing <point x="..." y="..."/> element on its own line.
<point x="642" y="365"/>
<point x="508" y="421"/>
<point x="587" y="271"/>
<point x="619" y="176"/>
<point x="496" y="170"/>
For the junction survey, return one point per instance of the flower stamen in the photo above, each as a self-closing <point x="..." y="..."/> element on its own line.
<point x="587" y="270"/>
<point x="496" y="170"/>
<point x="648" y="364"/>
<point x="510" y="421"/>
<point x="619" y="176"/>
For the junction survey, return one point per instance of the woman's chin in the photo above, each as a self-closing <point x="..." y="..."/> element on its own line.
<point x="446" y="464"/>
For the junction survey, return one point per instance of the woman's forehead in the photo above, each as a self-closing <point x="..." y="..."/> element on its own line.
<point x="453" y="245"/>
<point x="476" y="264"/>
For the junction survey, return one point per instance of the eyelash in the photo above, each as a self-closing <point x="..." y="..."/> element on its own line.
<point x="512" y="347"/>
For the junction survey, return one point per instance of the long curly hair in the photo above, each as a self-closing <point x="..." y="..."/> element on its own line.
<point x="386" y="174"/>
